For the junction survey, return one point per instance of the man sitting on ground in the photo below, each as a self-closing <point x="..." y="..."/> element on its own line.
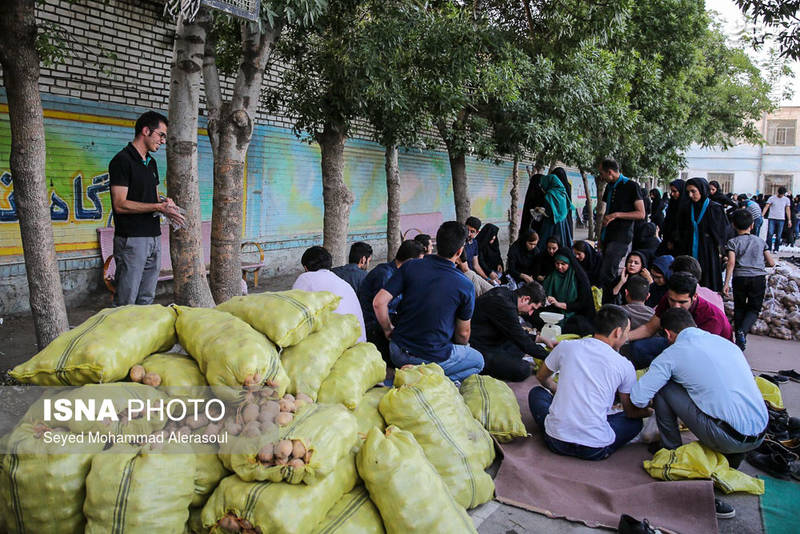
<point x="471" y="247"/>
<point x="575" y="420"/>
<point x="682" y="293"/>
<point x="636" y="290"/>
<point x="433" y="323"/>
<point x="426" y="242"/>
<point x="704" y="381"/>
<point x="498" y="334"/>
<point x="358" y="264"/>
<point x="318" y="277"/>
<point x="481" y="286"/>
<point x="374" y="282"/>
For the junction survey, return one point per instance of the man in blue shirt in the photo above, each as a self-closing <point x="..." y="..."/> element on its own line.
<point x="473" y="225"/>
<point x="433" y="323"/>
<point x="358" y="264"/>
<point x="375" y="281"/>
<point x="704" y="380"/>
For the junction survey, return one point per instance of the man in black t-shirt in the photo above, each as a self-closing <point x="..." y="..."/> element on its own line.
<point x="624" y="205"/>
<point x="133" y="176"/>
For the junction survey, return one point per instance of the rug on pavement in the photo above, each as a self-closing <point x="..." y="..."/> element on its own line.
<point x="779" y="505"/>
<point x="597" y="493"/>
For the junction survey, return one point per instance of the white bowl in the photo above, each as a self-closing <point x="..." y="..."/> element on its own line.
<point x="551" y="317"/>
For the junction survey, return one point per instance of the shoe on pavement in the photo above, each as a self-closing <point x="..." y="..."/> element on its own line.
<point x="741" y="340"/>
<point x="791" y="374"/>
<point x="630" y="525"/>
<point x="724" y="510"/>
<point x="775" y="379"/>
<point x="775" y="465"/>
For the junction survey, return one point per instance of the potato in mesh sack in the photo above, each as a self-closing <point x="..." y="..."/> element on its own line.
<point x="495" y="406"/>
<point x="102" y="349"/>
<point x="178" y="374"/>
<point x="410" y="494"/>
<point x="309" y="362"/>
<point x="276" y="507"/>
<point x="229" y="352"/>
<point x="354" y="513"/>
<point x="455" y="443"/>
<point x="136" y="490"/>
<point x="42" y="485"/>
<point x="356" y="371"/>
<point x="306" y="450"/>
<point x="285" y="317"/>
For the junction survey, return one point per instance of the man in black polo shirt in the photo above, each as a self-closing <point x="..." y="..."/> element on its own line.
<point x="624" y="205"/>
<point x="433" y="323"/>
<point x="498" y="334"/>
<point x="133" y="176"/>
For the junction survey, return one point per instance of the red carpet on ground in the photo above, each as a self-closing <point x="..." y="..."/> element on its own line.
<point x="597" y="493"/>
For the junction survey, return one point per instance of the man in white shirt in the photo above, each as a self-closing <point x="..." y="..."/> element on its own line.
<point x="318" y="277"/>
<point x="779" y="214"/>
<point x="576" y="420"/>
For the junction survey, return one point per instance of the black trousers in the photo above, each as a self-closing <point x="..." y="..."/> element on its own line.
<point x="748" y="296"/>
<point x="376" y="336"/>
<point x="505" y="362"/>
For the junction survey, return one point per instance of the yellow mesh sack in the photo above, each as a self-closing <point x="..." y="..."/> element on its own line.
<point x="367" y="413"/>
<point x="495" y="406"/>
<point x="406" y="488"/>
<point x="358" y="369"/>
<point x="179" y="372"/>
<point x="354" y="513"/>
<point x="102" y="349"/>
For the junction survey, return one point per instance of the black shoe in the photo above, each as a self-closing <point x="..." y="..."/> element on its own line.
<point x="741" y="340"/>
<point x="629" y="525"/>
<point x="775" y="379"/>
<point x="775" y="465"/>
<point x="724" y="510"/>
<point x="654" y="447"/>
<point x="790" y="374"/>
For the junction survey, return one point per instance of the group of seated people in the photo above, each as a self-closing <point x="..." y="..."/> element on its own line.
<point x="421" y="307"/>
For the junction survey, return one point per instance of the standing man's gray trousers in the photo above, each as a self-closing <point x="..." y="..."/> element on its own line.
<point x="138" y="262"/>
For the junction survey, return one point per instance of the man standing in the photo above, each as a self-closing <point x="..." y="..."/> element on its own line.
<point x="576" y="421"/>
<point x="433" y="323"/>
<point x="357" y="265"/>
<point x="135" y="203"/>
<point x="498" y="334"/>
<point x="624" y="205"/>
<point x="779" y="214"/>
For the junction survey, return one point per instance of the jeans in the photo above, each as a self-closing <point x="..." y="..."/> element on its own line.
<point x="642" y="352"/>
<point x="138" y="262"/>
<point x="625" y="429"/>
<point x="757" y="223"/>
<point x="748" y="296"/>
<point x="464" y="361"/>
<point x="613" y="254"/>
<point x="673" y="402"/>
<point x="775" y="228"/>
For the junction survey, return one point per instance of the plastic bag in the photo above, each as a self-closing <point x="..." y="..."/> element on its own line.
<point x="693" y="461"/>
<point x="179" y="372"/>
<point x="358" y="369"/>
<point x="367" y="413"/>
<point x="42" y="485"/>
<point x="285" y="317"/>
<point x="135" y="490"/>
<point x="309" y="362"/>
<point x="454" y="442"/>
<point x="495" y="406"/>
<point x="278" y="507"/>
<point x="103" y="348"/>
<point x="409" y="493"/>
<point x="228" y="351"/>
<point x="412" y="373"/>
<point x="328" y="432"/>
<point x="354" y="513"/>
<point x="770" y="392"/>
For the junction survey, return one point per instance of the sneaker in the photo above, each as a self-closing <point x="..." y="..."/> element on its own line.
<point x="775" y="379"/>
<point x="791" y="374"/>
<point x="724" y="510"/>
<point x="630" y="525"/>
<point x="741" y="340"/>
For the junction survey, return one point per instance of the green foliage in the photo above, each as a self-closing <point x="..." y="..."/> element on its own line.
<point x="783" y="16"/>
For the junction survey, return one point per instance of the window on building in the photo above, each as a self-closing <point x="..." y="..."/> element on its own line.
<point x="685" y="175"/>
<point x="725" y="180"/>
<point x="781" y="132"/>
<point x="773" y="181"/>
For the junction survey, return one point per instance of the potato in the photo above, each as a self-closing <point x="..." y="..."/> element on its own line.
<point x="298" y="449"/>
<point x="137" y="373"/>
<point x="250" y="413"/>
<point x="200" y="421"/>
<point x="283" y="418"/>
<point x="283" y="449"/>
<point x="265" y="455"/>
<point x="229" y="523"/>
<point x="152" y="379"/>
<point x="286" y="405"/>
<point x="297" y="463"/>
<point x="305" y="398"/>
<point x="251" y="429"/>
<point x="232" y="427"/>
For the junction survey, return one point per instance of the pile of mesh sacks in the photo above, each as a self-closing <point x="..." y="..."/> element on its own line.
<point x="780" y="313"/>
<point x="303" y="437"/>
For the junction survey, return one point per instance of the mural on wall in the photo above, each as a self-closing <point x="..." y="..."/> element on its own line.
<point x="283" y="196"/>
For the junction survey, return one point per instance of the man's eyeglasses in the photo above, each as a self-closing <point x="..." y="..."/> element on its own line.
<point x="162" y="135"/>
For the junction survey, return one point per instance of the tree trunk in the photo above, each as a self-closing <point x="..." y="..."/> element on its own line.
<point x="186" y="245"/>
<point x="336" y="197"/>
<point x="20" y="63"/>
<point x="513" y="214"/>
<point x="230" y="129"/>
<point x="590" y="219"/>
<point x="601" y="207"/>
<point x="393" y="230"/>
<point x="458" y="172"/>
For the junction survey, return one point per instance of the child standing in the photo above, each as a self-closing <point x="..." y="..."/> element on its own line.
<point x="748" y="257"/>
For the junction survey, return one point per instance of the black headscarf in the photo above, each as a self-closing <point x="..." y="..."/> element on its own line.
<point x="592" y="261"/>
<point x="489" y="252"/>
<point x="547" y="262"/>
<point x="720" y="197"/>
<point x="534" y="198"/>
<point x="646" y="241"/>
<point x="675" y="207"/>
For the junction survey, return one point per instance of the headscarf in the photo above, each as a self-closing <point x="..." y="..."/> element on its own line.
<point x="646" y="241"/>
<point x="675" y="207"/>
<point x="642" y="257"/>
<point x="546" y="262"/>
<point x="556" y="196"/>
<point x="489" y="253"/>
<point x="562" y="286"/>
<point x="697" y="210"/>
<point x="657" y="292"/>
<point x="592" y="261"/>
<point x="534" y="198"/>
<point x="664" y="264"/>
<point x="719" y="197"/>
